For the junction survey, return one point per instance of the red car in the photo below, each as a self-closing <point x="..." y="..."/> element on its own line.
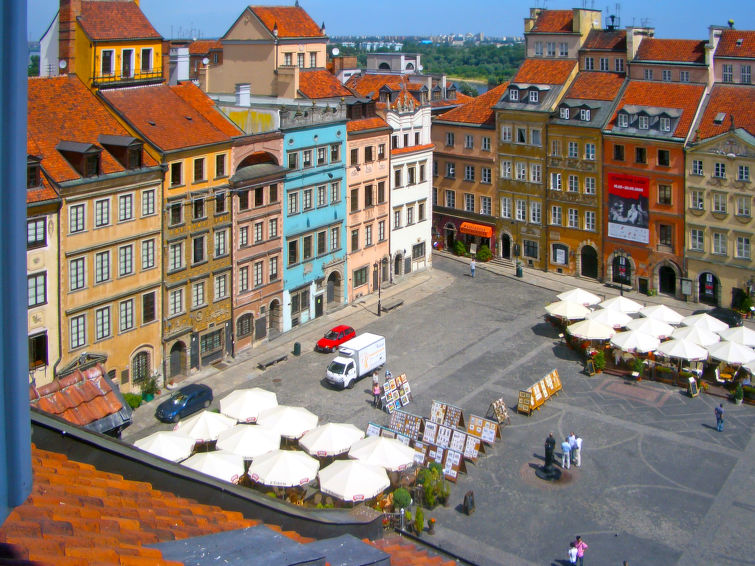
<point x="334" y="338"/>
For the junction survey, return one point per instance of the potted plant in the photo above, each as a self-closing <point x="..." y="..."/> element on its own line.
<point x="638" y="366"/>
<point x="431" y="526"/>
<point x="149" y="388"/>
<point x="739" y="394"/>
<point x="599" y="359"/>
<point x="419" y="521"/>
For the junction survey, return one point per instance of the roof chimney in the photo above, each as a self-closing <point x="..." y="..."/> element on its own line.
<point x="243" y="94"/>
<point x="69" y="11"/>
<point x="179" y="64"/>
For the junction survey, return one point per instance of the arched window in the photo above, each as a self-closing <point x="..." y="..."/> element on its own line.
<point x="140" y="367"/>
<point x="244" y="325"/>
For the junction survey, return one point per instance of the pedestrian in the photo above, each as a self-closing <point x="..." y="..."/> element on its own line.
<point x="375" y="390"/>
<point x="565" y="449"/>
<point x="578" y="451"/>
<point x="572" y="446"/>
<point x="720" y="417"/>
<point x="581" y="547"/>
<point x="472" y="267"/>
<point x="572" y="553"/>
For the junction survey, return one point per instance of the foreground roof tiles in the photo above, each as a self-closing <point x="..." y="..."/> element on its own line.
<point x="554" y="21"/>
<point x="202" y="46"/>
<point x="611" y="40"/>
<point x="115" y="20"/>
<point x="203" y="104"/>
<point x="370" y="85"/>
<point x="737" y="101"/>
<point x="675" y="50"/>
<point x="292" y="21"/>
<point x="736" y="43"/>
<point x="479" y="111"/>
<point x="366" y="124"/>
<point x="544" y="71"/>
<point x="319" y="83"/>
<point x="592" y="85"/>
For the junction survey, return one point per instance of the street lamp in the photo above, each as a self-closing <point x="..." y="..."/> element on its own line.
<point x="376" y="266"/>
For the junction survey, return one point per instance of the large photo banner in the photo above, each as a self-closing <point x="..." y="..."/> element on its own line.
<point x="628" y="207"/>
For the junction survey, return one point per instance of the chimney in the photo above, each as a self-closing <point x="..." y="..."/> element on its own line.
<point x="179" y="64"/>
<point x="69" y="11"/>
<point x="243" y="95"/>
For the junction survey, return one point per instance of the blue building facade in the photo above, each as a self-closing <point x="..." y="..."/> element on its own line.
<point x="314" y="212"/>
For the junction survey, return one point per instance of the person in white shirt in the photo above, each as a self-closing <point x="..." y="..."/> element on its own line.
<point x="572" y="553"/>
<point x="578" y="451"/>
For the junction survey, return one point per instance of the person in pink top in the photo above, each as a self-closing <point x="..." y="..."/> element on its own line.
<point x="581" y="547"/>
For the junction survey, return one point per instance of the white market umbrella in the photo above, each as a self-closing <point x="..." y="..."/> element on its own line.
<point x="580" y="296"/>
<point x="697" y="334"/>
<point x="284" y="468"/>
<point x="610" y="317"/>
<point x="622" y="304"/>
<point x="249" y="441"/>
<point x="205" y="425"/>
<point x="244" y="405"/>
<point x="169" y="444"/>
<point x="353" y="480"/>
<point x="219" y="464"/>
<point x="590" y="330"/>
<point x="705" y="321"/>
<point x="750" y="367"/>
<point x="651" y="326"/>
<point x="330" y="439"/>
<point x="731" y="353"/>
<point x="390" y="453"/>
<point x="683" y="349"/>
<point x="567" y="310"/>
<point x="739" y="334"/>
<point x="290" y="422"/>
<point x="635" y="341"/>
<point x="662" y="313"/>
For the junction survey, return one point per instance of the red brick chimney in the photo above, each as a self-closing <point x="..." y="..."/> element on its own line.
<point x="69" y="11"/>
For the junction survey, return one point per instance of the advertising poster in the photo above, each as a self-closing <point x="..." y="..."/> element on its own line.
<point x="628" y="207"/>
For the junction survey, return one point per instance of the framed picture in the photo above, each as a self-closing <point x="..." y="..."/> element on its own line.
<point x="404" y="399"/>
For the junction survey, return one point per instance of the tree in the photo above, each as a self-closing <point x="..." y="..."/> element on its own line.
<point x="33" y="68"/>
<point x="466" y="88"/>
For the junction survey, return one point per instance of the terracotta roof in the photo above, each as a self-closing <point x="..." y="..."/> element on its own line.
<point x="676" y="50"/>
<point x="460" y="99"/>
<point x="592" y="85"/>
<point x="479" y="110"/>
<point x="412" y="148"/>
<point x="63" y="109"/>
<point x="115" y="20"/>
<point x="406" y="553"/>
<point x="727" y="45"/>
<point x="611" y="40"/>
<point x="733" y="100"/>
<point x="544" y="71"/>
<point x="164" y="117"/>
<point x="319" y="83"/>
<point x="554" y="21"/>
<point x="370" y="85"/>
<point x="205" y="105"/>
<point x="42" y="193"/>
<point x="682" y="96"/>
<point x="292" y="21"/>
<point x="364" y="124"/>
<point x="202" y="46"/>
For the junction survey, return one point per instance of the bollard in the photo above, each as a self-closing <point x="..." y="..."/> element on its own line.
<point x="469" y="502"/>
<point x="519" y="271"/>
<point x="297" y="349"/>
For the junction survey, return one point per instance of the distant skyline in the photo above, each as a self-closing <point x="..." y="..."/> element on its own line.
<point x="495" y="18"/>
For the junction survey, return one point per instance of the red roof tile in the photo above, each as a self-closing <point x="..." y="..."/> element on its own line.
<point x="203" y="46"/>
<point x="684" y="97"/>
<point x="611" y="40"/>
<point x="115" y="20"/>
<point x="43" y="193"/>
<point x="164" y="117"/>
<point x="292" y="21"/>
<point x="370" y="85"/>
<point x="554" y="21"/>
<point x="63" y="109"/>
<point x="677" y="50"/>
<point x="365" y="124"/>
<point x="479" y="110"/>
<point x="319" y="83"/>
<point x="595" y="86"/>
<point x="733" y="100"/>
<point x="544" y="71"/>
<point x="412" y="148"/>
<point x="727" y="45"/>
<point x="203" y="104"/>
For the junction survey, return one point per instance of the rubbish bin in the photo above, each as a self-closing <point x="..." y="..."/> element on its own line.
<point x="468" y="505"/>
<point x="519" y="270"/>
<point x="297" y="349"/>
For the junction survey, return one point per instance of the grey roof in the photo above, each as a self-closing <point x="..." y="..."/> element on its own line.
<point x="600" y="112"/>
<point x="118" y="141"/>
<point x="548" y="95"/>
<point x="651" y="110"/>
<point x="77" y="147"/>
<point x="257" y="171"/>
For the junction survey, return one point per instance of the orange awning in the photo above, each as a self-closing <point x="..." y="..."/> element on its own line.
<point x="476" y="229"/>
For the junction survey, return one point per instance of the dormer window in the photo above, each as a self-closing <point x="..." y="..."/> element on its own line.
<point x="623" y="121"/>
<point x="127" y="150"/>
<point x="83" y="157"/>
<point x="92" y="164"/>
<point x="534" y="96"/>
<point x="665" y="124"/>
<point x="564" y="113"/>
<point x="584" y="114"/>
<point x="644" y="122"/>
<point x="33" y="177"/>
<point x="513" y="95"/>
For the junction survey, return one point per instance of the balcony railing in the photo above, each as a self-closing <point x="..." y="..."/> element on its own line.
<point x="136" y="77"/>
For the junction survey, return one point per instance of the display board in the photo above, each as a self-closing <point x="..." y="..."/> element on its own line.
<point x="524" y="404"/>
<point x="443" y="437"/>
<point x="379" y="430"/>
<point x="406" y="423"/>
<point x="431" y="429"/>
<point x="498" y="410"/>
<point x="437" y="412"/>
<point x="692" y="388"/>
<point x="536" y="395"/>
<point x="420" y="452"/>
<point x="373" y="429"/>
<point x="473" y="447"/>
<point x="458" y="440"/>
<point x="453" y="463"/>
<point x="590" y="368"/>
<point x="486" y="430"/>
<point x="396" y="393"/>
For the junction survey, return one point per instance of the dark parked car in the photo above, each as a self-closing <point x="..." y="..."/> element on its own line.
<point x="185" y="401"/>
<point x="728" y="316"/>
<point x="334" y="338"/>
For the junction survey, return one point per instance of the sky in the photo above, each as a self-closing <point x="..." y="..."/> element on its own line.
<point x="672" y="19"/>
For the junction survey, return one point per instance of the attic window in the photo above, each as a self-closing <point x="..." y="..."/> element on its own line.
<point x="83" y="157"/>
<point x="33" y="178"/>
<point x="564" y="113"/>
<point x="513" y="94"/>
<point x="151" y="123"/>
<point x="623" y="120"/>
<point x="584" y="114"/>
<point x="126" y="149"/>
<point x="739" y="42"/>
<point x="534" y="96"/>
<point x="719" y="119"/>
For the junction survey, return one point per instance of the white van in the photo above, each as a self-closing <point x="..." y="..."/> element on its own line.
<point x="358" y="357"/>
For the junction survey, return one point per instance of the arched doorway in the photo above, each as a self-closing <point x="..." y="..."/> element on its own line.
<point x="274" y="316"/>
<point x="622" y="270"/>
<point x="334" y="291"/>
<point x="589" y="262"/>
<point x="505" y="246"/>
<point x="177" y="364"/>
<point x="397" y="264"/>
<point x="450" y="236"/>
<point x="384" y="67"/>
<point x="141" y="368"/>
<point x="709" y="289"/>
<point x="244" y="326"/>
<point x="667" y="280"/>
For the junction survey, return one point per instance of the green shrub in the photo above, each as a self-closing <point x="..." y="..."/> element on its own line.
<point x="148" y="386"/>
<point x="459" y="248"/>
<point x="663" y="369"/>
<point x="436" y="468"/>
<point x="419" y="521"/>
<point x="748" y="391"/>
<point x="401" y="498"/>
<point x="637" y="365"/>
<point x="739" y="393"/>
<point x="600" y="360"/>
<point x="484" y="253"/>
<point x="133" y="400"/>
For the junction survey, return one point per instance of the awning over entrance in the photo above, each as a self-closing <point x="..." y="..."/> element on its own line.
<point x="476" y="229"/>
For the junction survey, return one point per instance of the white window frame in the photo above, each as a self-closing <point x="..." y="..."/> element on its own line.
<point x="125" y="207"/>
<point x="78" y="331"/>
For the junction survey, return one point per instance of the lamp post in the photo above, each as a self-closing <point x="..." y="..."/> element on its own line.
<point x="376" y="266"/>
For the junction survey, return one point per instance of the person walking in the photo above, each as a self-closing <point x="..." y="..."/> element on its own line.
<point x="572" y="438"/>
<point x="472" y="267"/>
<point x="565" y="449"/>
<point x="581" y="547"/>
<point x="578" y="451"/>
<point x="375" y="390"/>
<point x="572" y="553"/>
<point x="720" y="417"/>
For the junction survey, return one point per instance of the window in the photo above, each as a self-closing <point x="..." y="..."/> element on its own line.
<point x="287" y="59"/>
<point x="220" y="165"/>
<point x="107" y="58"/>
<point x="573" y="150"/>
<point x="563" y="113"/>
<point x="368" y="235"/>
<point x="300" y="60"/>
<point x="76" y="218"/>
<point x="573" y="184"/>
<point x="485" y="143"/>
<point x="293" y="203"/>
<point x="485" y="175"/>
<point x="743" y="206"/>
<point x="665" y="124"/>
<point x="175" y="302"/>
<point x="199" y="170"/>
<point x="394" y="142"/>
<point x="513" y="95"/>
<point x="618" y="152"/>
<point x="644" y="122"/>
<point x="101" y="213"/>
<point x="538" y="48"/>
<point x="175" y="256"/>
<point x="148" y="308"/>
<point x="125" y="208"/>
<point x="335" y="239"/>
<point x="127" y="63"/>
<point x="450" y="170"/>
<point x="354" y="200"/>
<point x="221" y="243"/>
<point x="506" y="169"/>
<point x="335" y="153"/>
<point x="589" y="185"/>
<point x="125" y="260"/>
<point x="409" y="215"/>
<point x="664" y="194"/>
<point x="521" y="135"/>
<point x="666" y="75"/>
<point x="550" y="46"/>
<point x="696" y="200"/>
<point x="743" y="173"/>
<point x="556" y="215"/>
<point x="534" y="97"/>
<point x="381" y="151"/>
<point x="293" y="160"/>
<point x="719" y="170"/>
<point x="665" y="235"/>
<point x="696" y="240"/>
<point x="198" y="208"/>
<point x="198" y="298"/>
<point x="272" y="228"/>
<point x="555" y="147"/>
<point x="244" y="200"/>
<point x="623" y="120"/>
<point x="381" y="192"/>
<point x="126" y="315"/>
<point x="411" y="175"/>
<point x="354" y="157"/>
<point x="243" y="236"/>
<point x="563" y="49"/>
<point x="418" y="251"/>
<point x="584" y="114"/>
<point x="313" y="59"/>
<point x="505" y="133"/>
<point x="219" y="203"/>
<point x="450" y="138"/>
<point x="535" y="212"/>
<point x="273" y="268"/>
<point x="640" y="155"/>
<point x="506" y="207"/>
<point x="176" y="174"/>
<point x="197" y="250"/>
<point x="360" y="277"/>
<point x="535" y="138"/>
<point x="530" y="249"/>
<point x="648" y="74"/>
<point x="258" y="274"/>
<point x="307" y="199"/>
<point x="293" y="252"/>
<point x="76" y="279"/>
<point x="719" y="202"/>
<point x="306" y="249"/>
<point x="469" y="172"/>
<point x="381" y="231"/>
<point x="102" y="323"/>
<point x="603" y="63"/>
<point x="719" y="243"/>
<point x="521" y="171"/>
<point x="521" y="210"/>
<point x="486" y="205"/>
<point x="306" y="160"/>
<point x="664" y="157"/>
<point x="555" y="181"/>
<point x="244" y="279"/>
<point x="727" y="71"/>
<point x="745" y="74"/>
<point x="36" y="235"/>
<point x="697" y="167"/>
<point x="101" y="267"/>
<point x="36" y="286"/>
<point x="214" y="340"/>
<point x="743" y="247"/>
<point x="683" y="76"/>
<point x="78" y="331"/>
<point x="422" y="172"/>
<point x="618" y="65"/>
<point x="589" y="220"/>
<point x="469" y="142"/>
<point x="589" y="64"/>
<point x="573" y="218"/>
<point x="590" y="151"/>
<point x="221" y="287"/>
<point x="450" y="199"/>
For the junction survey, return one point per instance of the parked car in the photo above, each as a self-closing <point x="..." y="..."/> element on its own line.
<point x="728" y="316"/>
<point x="334" y="338"/>
<point x="185" y="401"/>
